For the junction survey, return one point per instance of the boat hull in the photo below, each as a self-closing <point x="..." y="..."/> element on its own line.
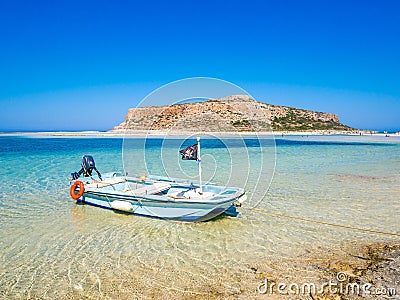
<point x="163" y="198"/>
<point x="172" y="210"/>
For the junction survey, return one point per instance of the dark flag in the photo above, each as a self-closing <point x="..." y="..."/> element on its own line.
<point x="189" y="153"/>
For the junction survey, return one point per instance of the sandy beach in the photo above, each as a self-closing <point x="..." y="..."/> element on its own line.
<point x="180" y="133"/>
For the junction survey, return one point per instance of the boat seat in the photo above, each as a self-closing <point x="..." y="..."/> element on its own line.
<point x="106" y="182"/>
<point x="191" y="194"/>
<point x="152" y="189"/>
<point x="179" y="195"/>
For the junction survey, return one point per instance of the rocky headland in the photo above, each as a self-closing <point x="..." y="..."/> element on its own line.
<point x="229" y="114"/>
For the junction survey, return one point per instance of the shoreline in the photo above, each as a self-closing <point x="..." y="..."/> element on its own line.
<point x="161" y="133"/>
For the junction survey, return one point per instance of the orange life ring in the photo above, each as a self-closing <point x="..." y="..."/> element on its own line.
<point x="72" y="190"/>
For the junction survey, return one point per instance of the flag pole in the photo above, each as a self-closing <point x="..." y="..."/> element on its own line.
<point x="199" y="162"/>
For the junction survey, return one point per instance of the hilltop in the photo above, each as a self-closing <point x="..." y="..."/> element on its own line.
<point x="232" y="113"/>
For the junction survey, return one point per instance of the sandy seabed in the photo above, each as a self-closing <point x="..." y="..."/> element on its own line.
<point x="356" y="271"/>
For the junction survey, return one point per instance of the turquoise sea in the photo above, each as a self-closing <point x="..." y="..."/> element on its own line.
<point x="52" y="248"/>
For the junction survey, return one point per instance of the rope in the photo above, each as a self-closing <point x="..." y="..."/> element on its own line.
<point x="277" y="214"/>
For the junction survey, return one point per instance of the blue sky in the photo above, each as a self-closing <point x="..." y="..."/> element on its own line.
<point x="79" y="65"/>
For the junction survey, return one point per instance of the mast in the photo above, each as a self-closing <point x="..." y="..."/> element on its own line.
<point x="199" y="162"/>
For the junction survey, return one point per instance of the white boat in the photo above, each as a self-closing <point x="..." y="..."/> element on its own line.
<point x="156" y="196"/>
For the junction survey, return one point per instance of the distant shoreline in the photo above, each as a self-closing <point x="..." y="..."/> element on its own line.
<point x="160" y="133"/>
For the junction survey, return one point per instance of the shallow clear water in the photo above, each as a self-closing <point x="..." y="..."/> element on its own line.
<point x="52" y="248"/>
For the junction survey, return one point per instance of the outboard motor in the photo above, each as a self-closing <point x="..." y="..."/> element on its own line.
<point x="88" y="166"/>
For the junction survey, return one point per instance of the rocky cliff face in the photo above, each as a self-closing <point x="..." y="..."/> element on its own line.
<point x="232" y="113"/>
